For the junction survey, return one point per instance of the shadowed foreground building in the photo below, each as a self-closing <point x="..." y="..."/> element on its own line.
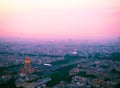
<point x="27" y="67"/>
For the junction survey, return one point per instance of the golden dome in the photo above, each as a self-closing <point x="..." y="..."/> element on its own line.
<point x="27" y="60"/>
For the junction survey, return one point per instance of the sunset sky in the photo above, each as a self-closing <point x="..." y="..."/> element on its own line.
<point x="60" y="19"/>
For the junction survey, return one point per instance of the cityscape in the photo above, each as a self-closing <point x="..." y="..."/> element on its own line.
<point x="59" y="64"/>
<point x="59" y="43"/>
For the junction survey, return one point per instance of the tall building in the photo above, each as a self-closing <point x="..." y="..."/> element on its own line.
<point x="27" y="67"/>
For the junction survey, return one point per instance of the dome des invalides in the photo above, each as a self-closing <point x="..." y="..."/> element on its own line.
<point x="27" y="60"/>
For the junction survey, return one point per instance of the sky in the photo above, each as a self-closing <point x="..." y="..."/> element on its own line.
<point x="60" y="19"/>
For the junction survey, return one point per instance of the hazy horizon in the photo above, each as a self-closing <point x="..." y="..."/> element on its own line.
<point x="60" y="19"/>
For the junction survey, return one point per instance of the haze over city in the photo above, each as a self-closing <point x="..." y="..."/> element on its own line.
<point x="60" y="19"/>
<point x="59" y="43"/>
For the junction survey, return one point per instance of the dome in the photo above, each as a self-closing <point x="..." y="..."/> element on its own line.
<point x="27" y="60"/>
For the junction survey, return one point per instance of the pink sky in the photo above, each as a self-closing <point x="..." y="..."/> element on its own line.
<point x="60" y="19"/>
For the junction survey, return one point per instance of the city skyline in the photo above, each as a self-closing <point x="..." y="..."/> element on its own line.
<point x="60" y="19"/>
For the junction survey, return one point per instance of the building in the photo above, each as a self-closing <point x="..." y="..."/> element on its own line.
<point x="27" y="67"/>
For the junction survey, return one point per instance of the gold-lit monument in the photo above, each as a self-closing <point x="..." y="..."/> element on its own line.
<point x="27" y="60"/>
<point x="27" y="67"/>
